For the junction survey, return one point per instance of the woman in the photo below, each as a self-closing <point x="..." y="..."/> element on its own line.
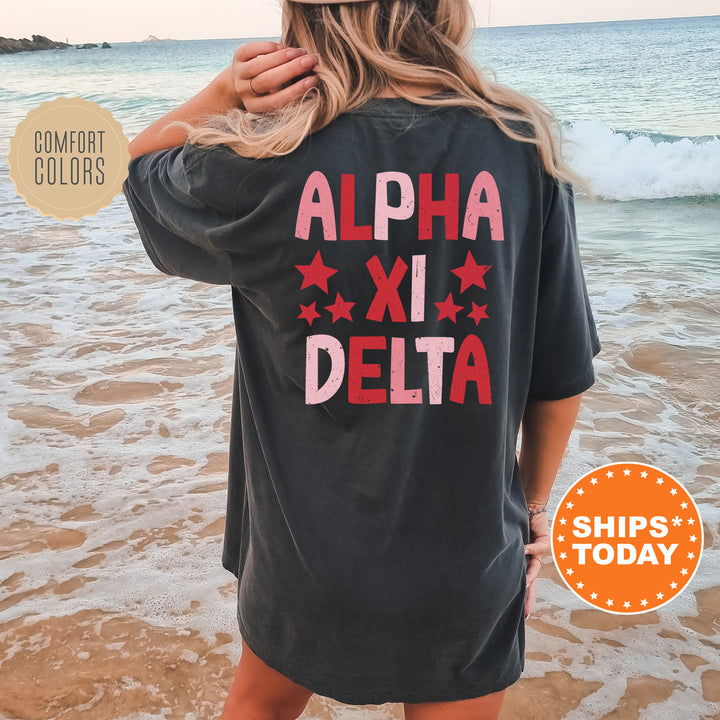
<point x="399" y="237"/>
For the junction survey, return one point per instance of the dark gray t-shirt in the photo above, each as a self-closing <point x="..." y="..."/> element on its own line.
<point x="402" y="283"/>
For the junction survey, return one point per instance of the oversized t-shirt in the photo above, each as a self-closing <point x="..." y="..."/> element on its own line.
<point x="402" y="284"/>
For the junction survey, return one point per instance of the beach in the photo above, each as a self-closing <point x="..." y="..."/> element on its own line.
<point x="116" y="394"/>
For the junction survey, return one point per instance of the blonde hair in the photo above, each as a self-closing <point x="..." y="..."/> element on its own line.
<point x="366" y="48"/>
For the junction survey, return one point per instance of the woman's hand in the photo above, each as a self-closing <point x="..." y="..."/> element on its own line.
<point x="278" y="77"/>
<point x="265" y="75"/>
<point x="538" y="546"/>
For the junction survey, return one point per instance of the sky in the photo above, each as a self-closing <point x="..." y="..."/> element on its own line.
<point x="133" y="20"/>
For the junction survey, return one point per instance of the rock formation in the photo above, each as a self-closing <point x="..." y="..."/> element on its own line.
<point x="38" y="42"/>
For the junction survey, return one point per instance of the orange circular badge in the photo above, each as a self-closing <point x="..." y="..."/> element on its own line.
<point x="627" y="538"/>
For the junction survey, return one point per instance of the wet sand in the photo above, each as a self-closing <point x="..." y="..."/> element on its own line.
<point x="113" y="600"/>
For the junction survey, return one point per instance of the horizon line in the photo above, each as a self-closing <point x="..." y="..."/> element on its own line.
<point x="477" y="27"/>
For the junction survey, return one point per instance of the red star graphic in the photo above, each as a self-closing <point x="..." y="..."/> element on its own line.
<point x="316" y="273"/>
<point x="448" y="309"/>
<point x="340" y="308"/>
<point x="478" y="313"/>
<point x="471" y="273"/>
<point x="308" y="312"/>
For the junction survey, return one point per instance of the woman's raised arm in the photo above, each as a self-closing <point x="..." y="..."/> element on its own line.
<point x="269" y="66"/>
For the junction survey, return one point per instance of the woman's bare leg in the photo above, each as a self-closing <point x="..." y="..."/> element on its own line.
<point x="486" y="707"/>
<point x="260" y="693"/>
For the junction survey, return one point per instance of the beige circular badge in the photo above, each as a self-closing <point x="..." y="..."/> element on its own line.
<point x="68" y="158"/>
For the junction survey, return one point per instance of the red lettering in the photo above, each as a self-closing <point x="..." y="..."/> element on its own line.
<point x="447" y="208"/>
<point x="386" y="295"/>
<point x="348" y="229"/>
<point x="357" y="370"/>
<point x="477" y="372"/>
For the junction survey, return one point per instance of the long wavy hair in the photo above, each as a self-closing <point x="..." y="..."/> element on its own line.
<point x="367" y="48"/>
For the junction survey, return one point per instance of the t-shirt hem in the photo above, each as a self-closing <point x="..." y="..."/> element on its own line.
<point x="229" y="566"/>
<point x="375" y="695"/>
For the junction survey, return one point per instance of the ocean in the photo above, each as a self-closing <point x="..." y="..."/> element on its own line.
<point x="115" y="385"/>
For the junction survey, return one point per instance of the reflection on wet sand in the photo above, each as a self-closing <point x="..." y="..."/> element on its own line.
<point x="641" y="692"/>
<point x="79" y="426"/>
<point x="707" y="621"/>
<point x="104" y="666"/>
<point x="550" y="697"/>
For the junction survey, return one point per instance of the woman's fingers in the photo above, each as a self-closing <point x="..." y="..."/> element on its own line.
<point x="277" y="76"/>
<point x="533" y="570"/>
<point x="260" y="64"/>
<point x="529" y="599"/>
<point x="248" y="51"/>
<point x="283" y="97"/>
<point x="538" y="547"/>
<point x="266" y="75"/>
<point x="539" y="544"/>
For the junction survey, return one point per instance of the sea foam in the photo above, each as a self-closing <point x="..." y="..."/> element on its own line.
<point x="637" y="166"/>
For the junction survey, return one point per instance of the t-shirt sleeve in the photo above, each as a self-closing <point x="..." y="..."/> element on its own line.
<point x="566" y="338"/>
<point x="174" y="224"/>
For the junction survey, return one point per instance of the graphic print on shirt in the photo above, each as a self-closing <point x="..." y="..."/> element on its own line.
<point x="470" y="377"/>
